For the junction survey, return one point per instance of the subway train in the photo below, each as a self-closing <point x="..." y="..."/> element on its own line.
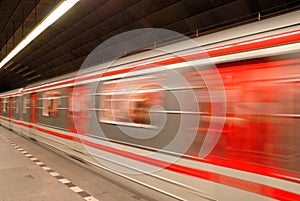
<point x="227" y="132"/>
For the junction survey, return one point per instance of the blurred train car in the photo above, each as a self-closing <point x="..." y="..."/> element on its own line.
<point x="257" y="156"/>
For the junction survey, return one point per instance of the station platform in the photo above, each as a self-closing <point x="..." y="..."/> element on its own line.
<point x="30" y="172"/>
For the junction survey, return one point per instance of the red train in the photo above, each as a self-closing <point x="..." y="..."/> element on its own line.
<point x="114" y="124"/>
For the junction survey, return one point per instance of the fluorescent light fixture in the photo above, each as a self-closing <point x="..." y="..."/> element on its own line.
<point x="61" y="9"/>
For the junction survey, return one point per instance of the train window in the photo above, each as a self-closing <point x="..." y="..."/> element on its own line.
<point x="24" y="102"/>
<point x="79" y="100"/>
<point x="5" y="105"/>
<point x="50" y="103"/>
<point x="17" y="105"/>
<point x="128" y="101"/>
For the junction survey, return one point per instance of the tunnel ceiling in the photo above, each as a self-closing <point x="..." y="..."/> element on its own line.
<point x="63" y="46"/>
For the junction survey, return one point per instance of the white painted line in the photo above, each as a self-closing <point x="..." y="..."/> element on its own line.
<point x="54" y="174"/>
<point x="76" y="189"/>
<point x="64" y="181"/>
<point x="46" y="168"/>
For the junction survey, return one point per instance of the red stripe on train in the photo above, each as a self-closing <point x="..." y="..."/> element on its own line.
<point x="68" y="137"/>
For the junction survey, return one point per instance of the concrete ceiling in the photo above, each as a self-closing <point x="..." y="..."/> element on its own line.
<point x="63" y="47"/>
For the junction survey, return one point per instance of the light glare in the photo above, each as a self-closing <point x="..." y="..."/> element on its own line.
<point x="49" y="20"/>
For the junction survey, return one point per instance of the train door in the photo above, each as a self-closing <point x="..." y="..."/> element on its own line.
<point x="33" y="118"/>
<point x="33" y="114"/>
<point x="78" y="107"/>
<point x="11" y="112"/>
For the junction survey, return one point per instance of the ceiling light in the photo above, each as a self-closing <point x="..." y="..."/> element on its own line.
<point x="61" y="9"/>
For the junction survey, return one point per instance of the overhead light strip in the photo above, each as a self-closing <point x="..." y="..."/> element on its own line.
<point x="61" y="9"/>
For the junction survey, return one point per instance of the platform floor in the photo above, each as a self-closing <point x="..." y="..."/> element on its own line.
<point x="30" y="172"/>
